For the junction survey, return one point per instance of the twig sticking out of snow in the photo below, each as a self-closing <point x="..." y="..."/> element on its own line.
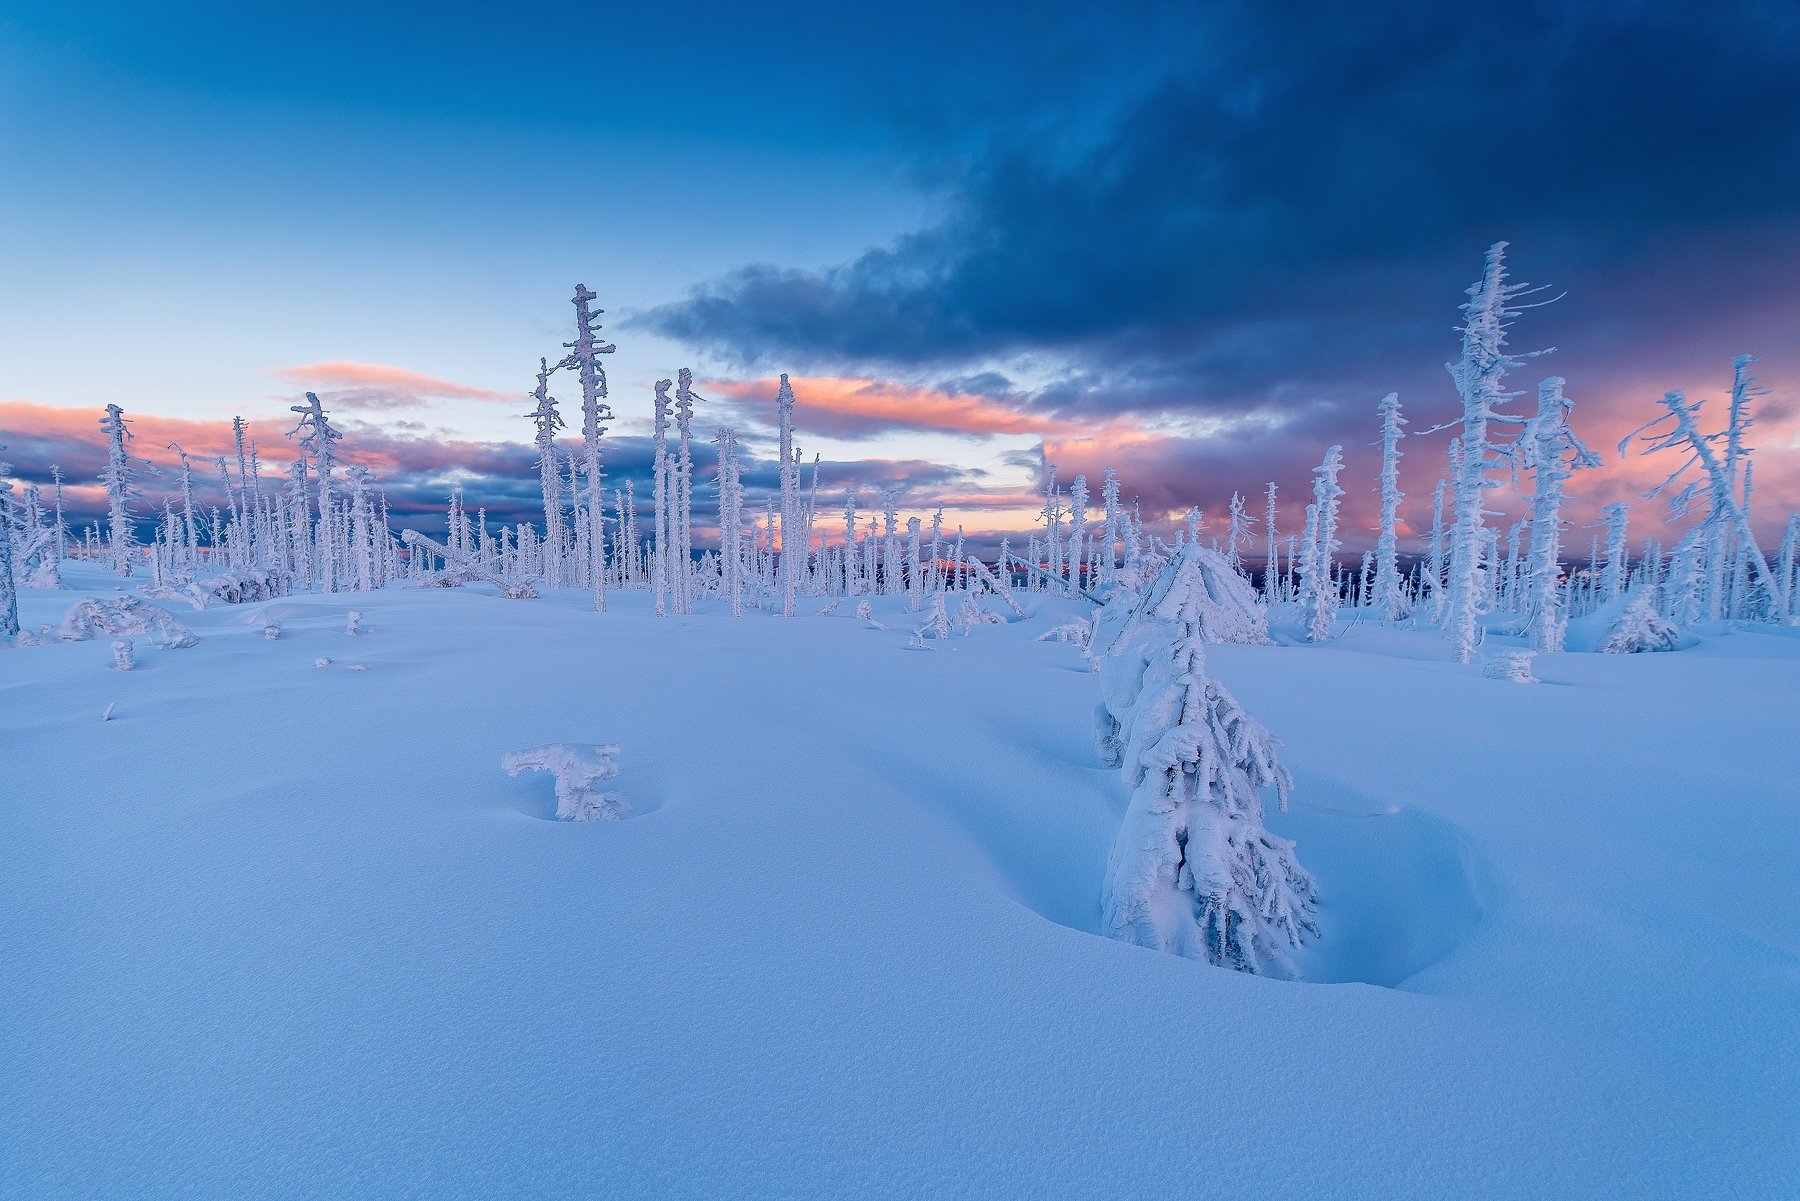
<point x="831" y="608"/>
<point x="579" y="769"/>
<point x="106" y="713"/>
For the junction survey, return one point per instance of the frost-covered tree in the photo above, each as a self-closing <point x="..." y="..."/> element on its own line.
<point x="1678" y="429"/>
<point x="793" y="549"/>
<point x="1193" y="871"/>
<point x="1612" y="579"/>
<point x="1318" y="589"/>
<point x="1553" y="454"/>
<point x="548" y="421"/>
<point x="318" y="439"/>
<point x="1480" y="376"/>
<point x="9" y="588"/>
<point x="584" y="356"/>
<point x="119" y="478"/>
<point x="683" y="541"/>
<point x="1388" y="592"/>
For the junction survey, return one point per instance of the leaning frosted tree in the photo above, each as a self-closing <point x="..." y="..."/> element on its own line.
<point x="1192" y="871"/>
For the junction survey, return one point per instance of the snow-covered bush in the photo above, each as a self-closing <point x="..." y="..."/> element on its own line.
<point x="242" y="585"/>
<point x="865" y="613"/>
<point x="937" y="622"/>
<point x="1639" y="628"/>
<point x="579" y="770"/>
<point x="970" y="614"/>
<point x="123" y="660"/>
<point x="1192" y="871"/>
<point x="353" y="623"/>
<point x="272" y="630"/>
<point x="89" y="619"/>
<point x="1510" y="664"/>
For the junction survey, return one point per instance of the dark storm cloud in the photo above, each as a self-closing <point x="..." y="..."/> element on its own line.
<point x="1296" y="217"/>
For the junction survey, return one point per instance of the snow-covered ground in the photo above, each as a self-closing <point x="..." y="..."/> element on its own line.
<point x="283" y="930"/>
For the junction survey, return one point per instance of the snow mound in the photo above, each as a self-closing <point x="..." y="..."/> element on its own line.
<point x="89" y="619"/>
<point x="579" y="769"/>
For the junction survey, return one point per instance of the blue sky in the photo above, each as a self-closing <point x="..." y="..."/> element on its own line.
<point x="1210" y="235"/>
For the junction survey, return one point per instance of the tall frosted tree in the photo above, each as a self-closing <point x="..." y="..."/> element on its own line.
<point x="1480" y="376"/>
<point x="318" y="441"/>
<point x="1318" y="587"/>
<point x="9" y="587"/>
<point x="1554" y="453"/>
<point x="1388" y="594"/>
<point x="793" y="547"/>
<point x="119" y="478"/>
<point x="683" y="540"/>
<point x="584" y="356"/>
<point x="548" y="421"/>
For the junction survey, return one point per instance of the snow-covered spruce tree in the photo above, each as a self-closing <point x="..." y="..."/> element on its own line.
<point x="731" y="523"/>
<point x="1193" y="871"/>
<point x="119" y="479"/>
<point x="318" y="439"/>
<point x="1553" y="454"/>
<point x="1318" y="589"/>
<point x="1388" y="592"/>
<point x="584" y="356"/>
<point x="1480" y="375"/>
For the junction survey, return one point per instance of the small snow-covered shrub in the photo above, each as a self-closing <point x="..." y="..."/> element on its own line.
<point x="1640" y="628"/>
<point x="123" y="659"/>
<point x="579" y="770"/>
<point x="970" y="614"/>
<point x="865" y="613"/>
<point x="272" y="630"/>
<point x="937" y="623"/>
<point x="353" y="623"/>
<point x="831" y="608"/>
<point x="1076" y="633"/>
<point x="321" y="661"/>
<point x="242" y="585"/>
<point x="89" y="619"/>
<point x="1511" y="664"/>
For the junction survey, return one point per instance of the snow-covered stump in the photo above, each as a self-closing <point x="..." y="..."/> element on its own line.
<point x="1511" y="665"/>
<point x="353" y="623"/>
<point x="579" y="770"/>
<point x="123" y="659"/>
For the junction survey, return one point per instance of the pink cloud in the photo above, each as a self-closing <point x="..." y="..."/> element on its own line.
<point x="864" y="408"/>
<point x="378" y="386"/>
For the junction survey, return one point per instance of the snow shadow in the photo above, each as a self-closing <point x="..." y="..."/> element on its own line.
<point x="1397" y="886"/>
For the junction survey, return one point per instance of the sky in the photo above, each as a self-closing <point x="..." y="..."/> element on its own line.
<point x="1195" y="243"/>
